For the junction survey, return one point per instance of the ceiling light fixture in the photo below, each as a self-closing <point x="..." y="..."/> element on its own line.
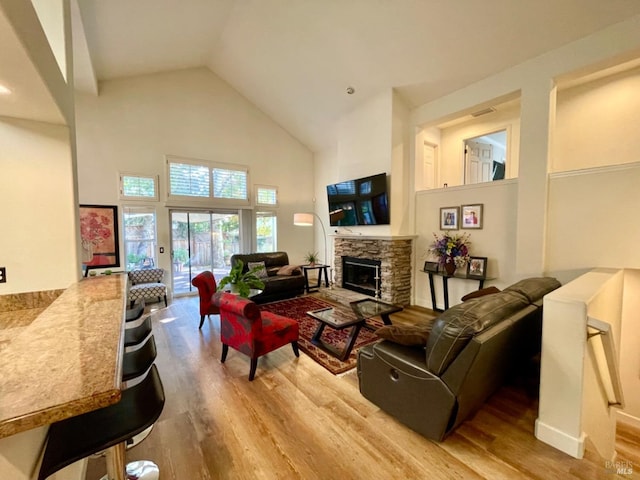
<point x="4" y="90"/>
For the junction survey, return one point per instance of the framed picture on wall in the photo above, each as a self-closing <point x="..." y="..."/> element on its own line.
<point x="472" y="216"/>
<point x="449" y="218"/>
<point x="99" y="236"/>
<point x="477" y="267"/>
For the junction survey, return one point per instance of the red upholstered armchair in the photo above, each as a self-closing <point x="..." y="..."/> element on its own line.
<point x="246" y="329"/>
<point x="205" y="282"/>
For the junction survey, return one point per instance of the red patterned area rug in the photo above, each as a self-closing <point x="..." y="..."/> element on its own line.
<point x="297" y="309"/>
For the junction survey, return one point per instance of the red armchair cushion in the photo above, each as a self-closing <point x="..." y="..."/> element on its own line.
<point x="245" y="328"/>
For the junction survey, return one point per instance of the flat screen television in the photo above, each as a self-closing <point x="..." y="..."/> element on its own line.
<point x="363" y="201"/>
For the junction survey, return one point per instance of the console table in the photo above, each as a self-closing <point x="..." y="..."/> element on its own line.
<point x="445" y="286"/>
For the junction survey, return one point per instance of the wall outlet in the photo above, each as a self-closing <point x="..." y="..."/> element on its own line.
<point x="3" y="274"/>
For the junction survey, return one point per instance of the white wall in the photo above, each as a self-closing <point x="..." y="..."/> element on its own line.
<point x="573" y="405"/>
<point x="597" y="123"/>
<point x="590" y="221"/>
<point x="400" y="212"/>
<point x="630" y="347"/>
<point x="38" y="207"/>
<point x="135" y="122"/>
<point x="498" y="199"/>
<point x="364" y="148"/>
<point x="452" y="143"/>
<point x="535" y="80"/>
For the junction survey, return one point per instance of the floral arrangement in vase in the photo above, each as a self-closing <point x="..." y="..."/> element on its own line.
<point x="452" y="251"/>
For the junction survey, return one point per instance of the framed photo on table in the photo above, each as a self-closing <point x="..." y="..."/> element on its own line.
<point x="430" y="267"/>
<point x="449" y="218"/>
<point x="472" y="216"/>
<point x="477" y="267"/>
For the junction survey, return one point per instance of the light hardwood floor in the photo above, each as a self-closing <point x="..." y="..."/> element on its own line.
<point x="298" y="421"/>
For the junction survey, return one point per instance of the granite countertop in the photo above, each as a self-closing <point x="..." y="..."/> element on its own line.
<point x="63" y="360"/>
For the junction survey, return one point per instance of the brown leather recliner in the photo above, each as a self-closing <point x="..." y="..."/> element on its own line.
<point x="472" y="347"/>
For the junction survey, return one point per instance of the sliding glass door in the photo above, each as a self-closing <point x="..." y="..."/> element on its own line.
<point x="202" y="240"/>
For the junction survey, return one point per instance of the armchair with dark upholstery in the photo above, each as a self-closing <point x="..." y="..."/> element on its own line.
<point x="246" y="329"/>
<point x="205" y="282"/>
<point x="435" y="384"/>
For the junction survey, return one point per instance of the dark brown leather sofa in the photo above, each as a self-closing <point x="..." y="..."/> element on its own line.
<point x="471" y="349"/>
<point x="277" y="286"/>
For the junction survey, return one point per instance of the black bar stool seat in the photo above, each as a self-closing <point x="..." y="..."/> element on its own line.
<point x="136" y="363"/>
<point x="78" y="437"/>
<point x="133" y="336"/>
<point x="135" y="312"/>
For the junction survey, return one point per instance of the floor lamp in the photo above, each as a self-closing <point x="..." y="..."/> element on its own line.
<point x="306" y="220"/>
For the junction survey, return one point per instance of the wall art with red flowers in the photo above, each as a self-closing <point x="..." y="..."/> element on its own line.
<point x="99" y="235"/>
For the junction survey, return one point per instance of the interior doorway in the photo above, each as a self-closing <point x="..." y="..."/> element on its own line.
<point x="485" y="157"/>
<point x="202" y="240"/>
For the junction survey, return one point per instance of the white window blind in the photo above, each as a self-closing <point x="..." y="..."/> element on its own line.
<point x="201" y="180"/>
<point x="138" y="187"/>
<point x="188" y="180"/>
<point x="266" y="195"/>
<point x="229" y="183"/>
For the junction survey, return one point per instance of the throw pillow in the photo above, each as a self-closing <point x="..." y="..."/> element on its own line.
<point x="262" y="273"/>
<point x="411" y="335"/>
<point x="290" y="270"/>
<point x="480" y="293"/>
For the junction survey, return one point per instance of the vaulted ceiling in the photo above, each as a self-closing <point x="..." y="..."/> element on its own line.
<point x="294" y="59"/>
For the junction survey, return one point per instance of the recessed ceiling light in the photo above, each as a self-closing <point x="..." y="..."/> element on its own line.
<point x="4" y="90"/>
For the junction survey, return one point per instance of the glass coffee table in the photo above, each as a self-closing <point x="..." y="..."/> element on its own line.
<point x="362" y="309"/>
<point x="370" y="307"/>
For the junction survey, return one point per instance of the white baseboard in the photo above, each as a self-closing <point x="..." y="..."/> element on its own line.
<point x="628" y="419"/>
<point x="565" y="443"/>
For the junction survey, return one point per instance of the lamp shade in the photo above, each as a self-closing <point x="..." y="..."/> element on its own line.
<point x="303" y="219"/>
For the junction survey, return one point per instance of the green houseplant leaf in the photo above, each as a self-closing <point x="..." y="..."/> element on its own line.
<point x="242" y="282"/>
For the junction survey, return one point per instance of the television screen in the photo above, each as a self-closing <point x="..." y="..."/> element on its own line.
<point x="363" y="201"/>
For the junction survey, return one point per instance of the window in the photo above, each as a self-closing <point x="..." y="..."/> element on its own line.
<point x="266" y="195"/>
<point x="266" y="232"/>
<point x="139" y="237"/>
<point x="198" y="179"/>
<point x="188" y="180"/>
<point x="230" y="184"/>
<point x="138" y="187"/>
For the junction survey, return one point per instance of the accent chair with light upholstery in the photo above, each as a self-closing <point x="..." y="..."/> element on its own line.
<point x="246" y="329"/>
<point x="147" y="283"/>
<point x="205" y="282"/>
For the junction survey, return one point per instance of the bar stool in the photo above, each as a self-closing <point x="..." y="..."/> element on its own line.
<point x="137" y="362"/>
<point x="134" y="336"/>
<point x="108" y="428"/>
<point x="135" y="312"/>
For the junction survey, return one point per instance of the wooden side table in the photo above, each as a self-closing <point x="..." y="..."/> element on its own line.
<point x="322" y="269"/>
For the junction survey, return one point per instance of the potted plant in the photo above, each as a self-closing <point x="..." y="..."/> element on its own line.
<point x="451" y="250"/>
<point x="311" y="258"/>
<point x="242" y="283"/>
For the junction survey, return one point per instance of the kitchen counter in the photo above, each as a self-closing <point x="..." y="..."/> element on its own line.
<point x="63" y="360"/>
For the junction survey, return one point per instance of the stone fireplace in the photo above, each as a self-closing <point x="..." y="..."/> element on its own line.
<point x="394" y="255"/>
